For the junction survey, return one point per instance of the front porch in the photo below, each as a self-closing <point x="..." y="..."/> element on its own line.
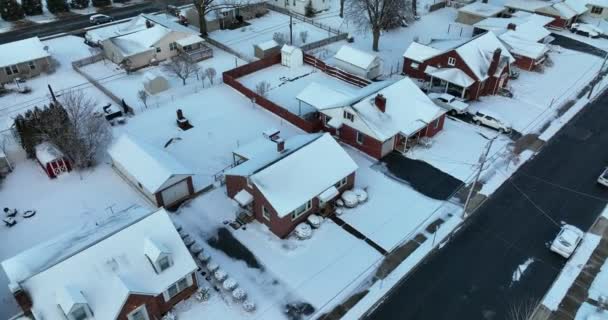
<point x="194" y="48"/>
<point x="449" y="80"/>
<point x="403" y="143"/>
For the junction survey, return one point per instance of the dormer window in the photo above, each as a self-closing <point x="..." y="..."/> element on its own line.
<point x="349" y="116"/>
<point x="158" y="255"/>
<point x="73" y="304"/>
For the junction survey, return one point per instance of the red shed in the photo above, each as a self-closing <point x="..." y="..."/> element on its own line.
<point x="52" y="160"/>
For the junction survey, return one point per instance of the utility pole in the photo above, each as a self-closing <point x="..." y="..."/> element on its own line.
<point x="482" y="161"/>
<point x="290" y="30"/>
<point x="598" y="76"/>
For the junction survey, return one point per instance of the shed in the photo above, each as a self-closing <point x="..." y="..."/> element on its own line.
<point x="266" y="49"/>
<point x="52" y="160"/>
<point x="358" y="62"/>
<point x="155" y="82"/>
<point x="477" y="11"/>
<point x="5" y="164"/>
<point x="152" y="171"/>
<point x="291" y="56"/>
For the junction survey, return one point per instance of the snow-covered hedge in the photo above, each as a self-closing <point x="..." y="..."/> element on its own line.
<point x="314" y="220"/>
<point x="204" y="257"/>
<point x="220" y="275"/>
<point x="361" y="194"/>
<point x="239" y="294"/>
<point x="212" y="266"/>
<point x="248" y="306"/>
<point x="350" y="199"/>
<point x="188" y="241"/>
<point x="196" y="248"/>
<point x="303" y="231"/>
<point x="169" y="316"/>
<point x="230" y="284"/>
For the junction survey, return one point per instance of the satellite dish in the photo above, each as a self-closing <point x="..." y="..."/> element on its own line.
<point x="46" y="48"/>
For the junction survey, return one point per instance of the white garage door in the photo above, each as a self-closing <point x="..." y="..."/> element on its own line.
<point x="174" y="193"/>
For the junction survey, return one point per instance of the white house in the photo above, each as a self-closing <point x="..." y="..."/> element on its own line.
<point x="133" y="265"/>
<point x="152" y="171"/>
<point x="358" y="62"/>
<point x="23" y="59"/>
<point x="299" y="6"/>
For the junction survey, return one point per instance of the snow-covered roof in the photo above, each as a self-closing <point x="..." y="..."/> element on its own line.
<point x="169" y="22"/>
<point x="482" y="9"/>
<point x="356" y="57"/>
<point x="190" y="40"/>
<point x="597" y="3"/>
<point x="527" y="5"/>
<point x="47" y="152"/>
<point x="408" y="109"/>
<point x="565" y="10"/>
<point x="419" y="52"/>
<point x="578" y="6"/>
<point x="522" y="20"/>
<point x="151" y="75"/>
<point x="22" y="51"/>
<point x="68" y="296"/>
<point x="137" y="42"/>
<point x="322" y="97"/>
<point x="149" y="165"/>
<point x="243" y="198"/>
<point x="287" y="49"/>
<point x="104" y="261"/>
<point x="523" y="47"/>
<point x="154" y="249"/>
<point x="266" y="45"/>
<point x="98" y="35"/>
<point x="320" y="164"/>
<point x="452" y="75"/>
<point x="478" y="52"/>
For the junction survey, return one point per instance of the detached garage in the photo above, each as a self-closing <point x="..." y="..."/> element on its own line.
<point x="152" y="171"/>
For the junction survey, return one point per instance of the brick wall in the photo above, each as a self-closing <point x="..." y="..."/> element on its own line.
<point x="370" y="145"/>
<point x="431" y="130"/>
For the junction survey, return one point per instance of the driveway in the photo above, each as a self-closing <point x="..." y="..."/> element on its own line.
<point x="576" y="45"/>
<point x="421" y="176"/>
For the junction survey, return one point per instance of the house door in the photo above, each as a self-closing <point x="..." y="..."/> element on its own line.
<point x="141" y="313"/>
<point x="175" y="193"/>
<point x="502" y="81"/>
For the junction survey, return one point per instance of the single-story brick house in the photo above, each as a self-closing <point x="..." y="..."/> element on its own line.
<point x="281" y="182"/>
<point x="477" y="67"/>
<point x="477" y="11"/>
<point x="23" y="59"/>
<point x="393" y="117"/>
<point x="564" y="12"/>
<point x="132" y="265"/>
<point x="152" y="171"/>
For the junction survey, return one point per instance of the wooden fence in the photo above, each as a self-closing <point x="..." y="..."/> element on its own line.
<point x="77" y="64"/>
<point x="229" y="50"/>
<point x="323" y="42"/>
<point x="335" y="72"/>
<point x="284" y="11"/>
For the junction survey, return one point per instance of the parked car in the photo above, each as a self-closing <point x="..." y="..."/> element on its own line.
<point x="491" y="121"/>
<point x="603" y="178"/>
<point x="567" y="240"/>
<point x="449" y="102"/>
<point x="586" y="30"/>
<point x="100" y="19"/>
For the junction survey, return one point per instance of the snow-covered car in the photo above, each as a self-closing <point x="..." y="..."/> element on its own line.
<point x="491" y="121"/>
<point x="586" y="30"/>
<point x="603" y="178"/>
<point x="449" y="102"/>
<point x="568" y="238"/>
<point x="100" y="19"/>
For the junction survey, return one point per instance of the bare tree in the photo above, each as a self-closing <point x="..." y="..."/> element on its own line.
<point x="280" y="38"/>
<point x="143" y="95"/>
<point x="523" y="310"/>
<point x="181" y="67"/>
<point x="210" y="73"/>
<point x="303" y="36"/>
<point x="262" y="88"/>
<point x="377" y="15"/>
<point x="204" y="7"/>
<point x="87" y="134"/>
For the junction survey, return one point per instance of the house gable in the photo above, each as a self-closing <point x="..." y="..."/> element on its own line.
<point x="441" y="61"/>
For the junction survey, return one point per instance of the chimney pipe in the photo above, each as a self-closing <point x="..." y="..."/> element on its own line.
<point x="180" y="114"/>
<point x="511" y="26"/>
<point x="280" y="145"/>
<point x="380" y="102"/>
<point x="23" y="299"/>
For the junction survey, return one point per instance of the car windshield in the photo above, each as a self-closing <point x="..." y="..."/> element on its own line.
<point x="605" y="174"/>
<point x="564" y="242"/>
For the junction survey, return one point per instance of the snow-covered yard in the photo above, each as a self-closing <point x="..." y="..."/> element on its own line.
<point x="262" y="29"/>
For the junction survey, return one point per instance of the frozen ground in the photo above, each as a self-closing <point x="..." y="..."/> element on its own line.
<point x="587" y="311"/>
<point x="126" y="86"/>
<point x="262" y="29"/>
<point x="222" y="120"/>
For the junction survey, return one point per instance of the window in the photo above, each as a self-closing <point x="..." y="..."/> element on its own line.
<point x="301" y="210"/>
<point x="327" y="119"/>
<point x="359" y="137"/>
<point x="415" y="65"/>
<point x="158" y="50"/>
<point x="178" y="287"/>
<point x="597" y="10"/>
<point x="11" y="70"/>
<point x="341" y="183"/>
<point x="139" y="314"/>
<point x="451" y="61"/>
<point x="79" y="314"/>
<point x="349" y="116"/>
<point x="265" y="213"/>
<point x="164" y="263"/>
<point x="436" y="124"/>
<point x="172" y="46"/>
<point x="32" y="65"/>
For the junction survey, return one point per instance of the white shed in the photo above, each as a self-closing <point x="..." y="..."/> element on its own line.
<point x="358" y="62"/>
<point x="155" y="82"/>
<point x="291" y="56"/>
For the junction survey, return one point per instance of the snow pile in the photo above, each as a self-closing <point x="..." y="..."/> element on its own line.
<point x="314" y="220"/>
<point x="350" y="199"/>
<point x="230" y="284"/>
<point x="519" y="272"/>
<point x="303" y="231"/>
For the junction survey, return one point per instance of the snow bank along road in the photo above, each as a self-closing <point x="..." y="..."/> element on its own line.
<point x="471" y="277"/>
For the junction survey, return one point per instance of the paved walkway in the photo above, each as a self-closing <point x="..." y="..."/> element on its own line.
<point x="348" y="228"/>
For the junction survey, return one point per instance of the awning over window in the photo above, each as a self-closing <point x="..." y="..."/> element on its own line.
<point x="328" y="194"/>
<point x="243" y="198"/>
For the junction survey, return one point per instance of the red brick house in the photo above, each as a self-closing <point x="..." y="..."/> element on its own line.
<point x="564" y="12"/>
<point x="281" y="182"/>
<point x="131" y="266"/>
<point x="389" y="116"/>
<point x="477" y="67"/>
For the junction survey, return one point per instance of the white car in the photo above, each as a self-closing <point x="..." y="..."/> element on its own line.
<point x="586" y="29"/>
<point x="568" y="238"/>
<point x="491" y="121"/>
<point x="449" y="102"/>
<point x="603" y="178"/>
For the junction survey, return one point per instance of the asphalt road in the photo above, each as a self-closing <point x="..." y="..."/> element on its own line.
<point x="471" y="276"/>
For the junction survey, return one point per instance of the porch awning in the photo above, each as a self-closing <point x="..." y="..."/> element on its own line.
<point x="335" y="123"/>
<point x="243" y="198"/>
<point x="451" y="75"/>
<point x="329" y="194"/>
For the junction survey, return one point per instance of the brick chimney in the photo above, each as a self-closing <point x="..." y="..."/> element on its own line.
<point x="23" y="299"/>
<point x="280" y="144"/>
<point x="494" y="63"/>
<point x="511" y="26"/>
<point x="149" y="24"/>
<point x="380" y="102"/>
<point x="180" y="114"/>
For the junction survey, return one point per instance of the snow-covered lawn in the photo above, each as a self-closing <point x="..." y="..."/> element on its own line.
<point x="68" y="202"/>
<point x="394" y="212"/>
<point x="126" y="86"/>
<point x="262" y="29"/>
<point x="222" y="120"/>
<point x="457" y="148"/>
<point x="286" y="83"/>
<point x="314" y="271"/>
<point x="64" y="50"/>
